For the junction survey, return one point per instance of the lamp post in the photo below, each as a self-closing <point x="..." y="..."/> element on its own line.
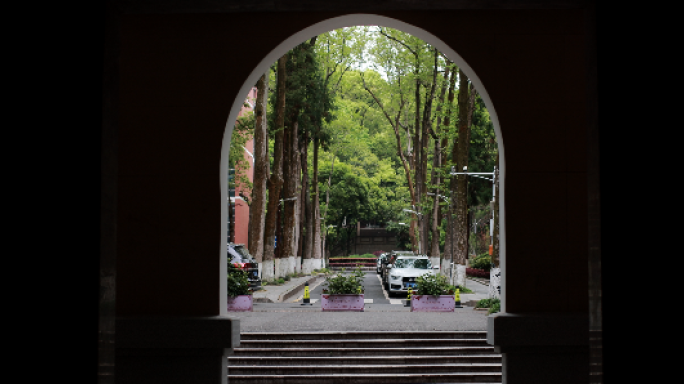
<point x="494" y="174"/>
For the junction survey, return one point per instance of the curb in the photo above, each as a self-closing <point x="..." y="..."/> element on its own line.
<point x="289" y="293"/>
<point x="481" y="281"/>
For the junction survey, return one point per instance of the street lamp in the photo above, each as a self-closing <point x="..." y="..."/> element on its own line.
<point x="249" y="153"/>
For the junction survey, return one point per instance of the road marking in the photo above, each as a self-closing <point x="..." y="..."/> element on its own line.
<point x="383" y="288"/>
<point x="368" y="301"/>
<point x="396" y="301"/>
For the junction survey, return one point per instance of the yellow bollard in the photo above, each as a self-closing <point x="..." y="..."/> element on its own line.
<point x="307" y="297"/>
<point x="457" y="297"/>
<point x="408" y="298"/>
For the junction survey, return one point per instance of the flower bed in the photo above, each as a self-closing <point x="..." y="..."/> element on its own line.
<point x="352" y="262"/>
<point x="474" y="272"/>
<point x="337" y="303"/>
<point x="430" y="303"/>
<point x="346" y="265"/>
<point x="240" y="303"/>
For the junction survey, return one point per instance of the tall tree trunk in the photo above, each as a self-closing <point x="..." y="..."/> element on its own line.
<point x="290" y="194"/>
<point x="424" y="140"/>
<point x="305" y="196"/>
<point x="317" y="251"/>
<point x="314" y="236"/>
<point x="449" y="238"/>
<point x="465" y="108"/>
<point x="261" y="172"/>
<point x="276" y="179"/>
<point x="436" y="169"/>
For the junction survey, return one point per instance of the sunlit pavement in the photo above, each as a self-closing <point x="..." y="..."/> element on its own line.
<point x="379" y="315"/>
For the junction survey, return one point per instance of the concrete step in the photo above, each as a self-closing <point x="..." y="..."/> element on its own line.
<point x="368" y="343"/>
<point x="323" y="352"/>
<point x="370" y="357"/>
<point x="402" y="378"/>
<point x="364" y="360"/>
<point x="365" y="369"/>
<point x="363" y="335"/>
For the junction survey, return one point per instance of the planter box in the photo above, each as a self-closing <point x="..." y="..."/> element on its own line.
<point x="429" y="303"/>
<point x="338" y="303"/>
<point x="240" y="303"/>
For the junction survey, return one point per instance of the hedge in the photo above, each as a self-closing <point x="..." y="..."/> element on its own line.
<point x="474" y="272"/>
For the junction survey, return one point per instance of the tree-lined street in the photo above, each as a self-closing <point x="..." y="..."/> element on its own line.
<point x="364" y="126"/>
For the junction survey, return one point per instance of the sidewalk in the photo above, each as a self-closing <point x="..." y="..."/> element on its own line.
<point x="280" y="293"/>
<point x="480" y="289"/>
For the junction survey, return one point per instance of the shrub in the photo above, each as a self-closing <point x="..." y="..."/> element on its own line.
<point x="286" y="277"/>
<point x="493" y="304"/>
<point x="434" y="285"/>
<point x="483" y="262"/>
<point x="473" y="272"/>
<point x="280" y="281"/>
<point x="496" y="307"/>
<point x="238" y="284"/>
<point x="368" y="256"/>
<point x="484" y="303"/>
<point x="345" y="285"/>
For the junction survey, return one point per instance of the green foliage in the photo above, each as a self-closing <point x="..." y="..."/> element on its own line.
<point x="434" y="285"/>
<point x="464" y="290"/>
<point x="280" y="281"/>
<point x="238" y="284"/>
<point x="482" y="262"/>
<point x="242" y="133"/>
<point x="494" y="305"/>
<point x="345" y="285"/>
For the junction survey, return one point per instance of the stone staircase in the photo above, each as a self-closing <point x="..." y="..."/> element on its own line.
<point x="364" y="357"/>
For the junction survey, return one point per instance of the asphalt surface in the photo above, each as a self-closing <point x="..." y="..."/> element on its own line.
<point x="381" y="313"/>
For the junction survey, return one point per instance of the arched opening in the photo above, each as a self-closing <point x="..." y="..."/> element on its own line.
<point x="325" y="26"/>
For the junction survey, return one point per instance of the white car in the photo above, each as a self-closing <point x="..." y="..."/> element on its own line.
<point x="405" y="270"/>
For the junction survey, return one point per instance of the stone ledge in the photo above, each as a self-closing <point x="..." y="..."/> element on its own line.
<point x="508" y="330"/>
<point x="286" y="295"/>
<point x="160" y="332"/>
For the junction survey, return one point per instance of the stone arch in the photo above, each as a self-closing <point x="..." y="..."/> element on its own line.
<point x="340" y="22"/>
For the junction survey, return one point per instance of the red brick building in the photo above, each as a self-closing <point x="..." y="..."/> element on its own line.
<point x="241" y="207"/>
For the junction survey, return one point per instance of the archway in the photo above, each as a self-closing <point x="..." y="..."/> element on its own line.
<point x="328" y="25"/>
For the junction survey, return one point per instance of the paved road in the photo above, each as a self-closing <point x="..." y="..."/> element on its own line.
<point x="380" y="314"/>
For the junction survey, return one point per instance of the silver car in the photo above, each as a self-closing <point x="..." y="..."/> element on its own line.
<point x="405" y="270"/>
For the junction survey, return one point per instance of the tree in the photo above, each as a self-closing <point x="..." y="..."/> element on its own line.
<point x="466" y="95"/>
<point x="261" y="172"/>
<point x="276" y="178"/>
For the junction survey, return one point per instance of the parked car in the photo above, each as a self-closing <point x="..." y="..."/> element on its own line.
<point x="238" y="257"/>
<point x="391" y="257"/>
<point x="404" y="271"/>
<point x="382" y="256"/>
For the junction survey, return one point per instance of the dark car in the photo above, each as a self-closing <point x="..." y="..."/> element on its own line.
<point x="238" y="257"/>
<point x="378" y="267"/>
